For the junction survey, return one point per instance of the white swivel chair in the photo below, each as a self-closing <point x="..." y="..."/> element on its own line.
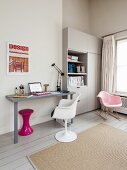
<point x="66" y="110"/>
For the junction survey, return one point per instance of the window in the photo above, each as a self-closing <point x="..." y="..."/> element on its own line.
<point x="122" y="65"/>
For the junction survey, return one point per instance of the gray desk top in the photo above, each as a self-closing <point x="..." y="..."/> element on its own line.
<point x="14" y="99"/>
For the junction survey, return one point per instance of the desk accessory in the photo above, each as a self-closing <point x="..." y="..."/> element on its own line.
<point x="35" y="87"/>
<point x="21" y="90"/>
<point x="16" y="90"/>
<point x="83" y="69"/>
<point x="60" y="74"/>
<point x="46" y="87"/>
<point x="78" y="69"/>
<point x="23" y="96"/>
<point x="41" y="94"/>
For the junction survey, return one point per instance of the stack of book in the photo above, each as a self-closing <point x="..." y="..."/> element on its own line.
<point x="72" y="58"/>
<point x="76" y="81"/>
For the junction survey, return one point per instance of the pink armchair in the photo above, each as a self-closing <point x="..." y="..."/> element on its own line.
<point x="109" y="102"/>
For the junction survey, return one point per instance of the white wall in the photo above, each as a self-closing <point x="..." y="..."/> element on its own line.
<point x="107" y="16"/>
<point x="76" y="14"/>
<point x="38" y="24"/>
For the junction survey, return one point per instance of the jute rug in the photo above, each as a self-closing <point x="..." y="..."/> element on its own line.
<point x="99" y="148"/>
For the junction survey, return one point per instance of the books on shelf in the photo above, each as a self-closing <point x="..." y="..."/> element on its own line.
<point x="76" y="81"/>
<point x="71" y="68"/>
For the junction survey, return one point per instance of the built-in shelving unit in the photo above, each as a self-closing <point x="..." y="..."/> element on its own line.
<point x="81" y="65"/>
<point x="77" y="68"/>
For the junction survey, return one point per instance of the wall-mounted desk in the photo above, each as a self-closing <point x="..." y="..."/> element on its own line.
<point x="17" y="100"/>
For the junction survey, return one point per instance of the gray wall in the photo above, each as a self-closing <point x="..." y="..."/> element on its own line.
<point x="107" y="16"/>
<point x="38" y="24"/>
<point x="76" y="14"/>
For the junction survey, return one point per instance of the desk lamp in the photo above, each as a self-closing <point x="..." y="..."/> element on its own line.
<point x="60" y="73"/>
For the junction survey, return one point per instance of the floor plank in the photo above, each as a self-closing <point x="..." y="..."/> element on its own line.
<point x="14" y="156"/>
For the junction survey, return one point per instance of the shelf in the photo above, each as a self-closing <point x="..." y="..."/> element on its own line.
<point x="78" y="62"/>
<point x="77" y="74"/>
<point x="78" y="87"/>
<point x="75" y="52"/>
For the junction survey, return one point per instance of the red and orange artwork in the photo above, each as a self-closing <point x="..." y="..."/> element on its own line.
<point x="18" y="59"/>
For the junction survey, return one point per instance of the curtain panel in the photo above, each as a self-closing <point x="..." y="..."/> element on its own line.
<point x="108" y="76"/>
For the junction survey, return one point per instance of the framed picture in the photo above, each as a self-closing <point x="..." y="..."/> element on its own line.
<point x="17" y="59"/>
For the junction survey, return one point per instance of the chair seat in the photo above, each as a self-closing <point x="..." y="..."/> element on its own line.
<point x="26" y="128"/>
<point x="25" y="111"/>
<point x="112" y="105"/>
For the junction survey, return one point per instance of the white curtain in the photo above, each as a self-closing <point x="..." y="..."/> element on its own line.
<point x="108" y="64"/>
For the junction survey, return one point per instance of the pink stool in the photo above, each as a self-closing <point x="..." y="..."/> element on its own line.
<point x="26" y="128"/>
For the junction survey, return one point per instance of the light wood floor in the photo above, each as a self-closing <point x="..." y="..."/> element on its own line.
<point x="14" y="156"/>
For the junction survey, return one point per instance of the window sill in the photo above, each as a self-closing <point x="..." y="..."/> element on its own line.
<point x="122" y="94"/>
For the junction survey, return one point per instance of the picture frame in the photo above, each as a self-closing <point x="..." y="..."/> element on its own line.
<point x="17" y="59"/>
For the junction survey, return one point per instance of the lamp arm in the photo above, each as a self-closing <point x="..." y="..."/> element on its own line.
<point x="60" y="71"/>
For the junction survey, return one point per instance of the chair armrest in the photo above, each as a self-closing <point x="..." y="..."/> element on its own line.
<point x="65" y="102"/>
<point x="62" y="107"/>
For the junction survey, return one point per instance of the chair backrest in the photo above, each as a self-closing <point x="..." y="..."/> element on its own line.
<point x="104" y="96"/>
<point x="70" y="110"/>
